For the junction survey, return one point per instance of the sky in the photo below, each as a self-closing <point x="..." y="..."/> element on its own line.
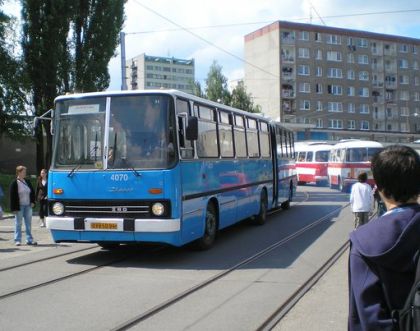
<point x="210" y="30"/>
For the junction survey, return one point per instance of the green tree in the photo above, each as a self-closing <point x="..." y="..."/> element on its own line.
<point x="242" y="100"/>
<point x="12" y="95"/>
<point x="56" y="63"/>
<point x="216" y="85"/>
<point x="96" y="25"/>
<point x="197" y="90"/>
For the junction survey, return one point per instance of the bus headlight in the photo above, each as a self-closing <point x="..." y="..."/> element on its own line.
<point x="158" y="209"/>
<point x="58" y="208"/>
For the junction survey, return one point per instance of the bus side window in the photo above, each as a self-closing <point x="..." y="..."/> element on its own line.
<point x="186" y="147"/>
<point x="309" y="156"/>
<point x="264" y="140"/>
<point x="240" y="137"/>
<point x="225" y="134"/>
<point x="207" y="142"/>
<point x="252" y="138"/>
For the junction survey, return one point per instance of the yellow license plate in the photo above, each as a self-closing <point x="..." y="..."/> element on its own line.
<point x="104" y="226"/>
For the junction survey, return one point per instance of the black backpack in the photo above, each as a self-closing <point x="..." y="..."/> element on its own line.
<point x="408" y="318"/>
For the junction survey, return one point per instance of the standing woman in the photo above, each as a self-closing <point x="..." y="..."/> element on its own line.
<point x="41" y="195"/>
<point x="22" y="200"/>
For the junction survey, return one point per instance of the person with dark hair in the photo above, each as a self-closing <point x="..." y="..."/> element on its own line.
<point x="22" y="200"/>
<point x="382" y="260"/>
<point x="361" y="200"/>
<point x="41" y="195"/>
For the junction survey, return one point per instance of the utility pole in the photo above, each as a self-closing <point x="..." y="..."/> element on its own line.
<point x="123" y="71"/>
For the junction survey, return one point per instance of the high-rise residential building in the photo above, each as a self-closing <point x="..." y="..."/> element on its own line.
<point x="154" y="72"/>
<point x="333" y="83"/>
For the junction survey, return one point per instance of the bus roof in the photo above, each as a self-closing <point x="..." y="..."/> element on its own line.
<point x="167" y="92"/>
<point x="357" y="143"/>
<point x="312" y="147"/>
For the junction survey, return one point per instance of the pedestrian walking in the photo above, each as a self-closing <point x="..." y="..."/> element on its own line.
<point x="361" y="200"/>
<point x="41" y="196"/>
<point x="22" y="200"/>
<point x="383" y="252"/>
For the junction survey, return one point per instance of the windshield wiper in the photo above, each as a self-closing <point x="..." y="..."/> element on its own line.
<point x="70" y="174"/>
<point x="77" y="167"/>
<point x="128" y="166"/>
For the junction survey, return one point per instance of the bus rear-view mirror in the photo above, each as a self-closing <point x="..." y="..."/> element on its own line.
<point x="192" y="128"/>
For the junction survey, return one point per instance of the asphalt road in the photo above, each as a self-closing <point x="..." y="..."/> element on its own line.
<point x="137" y="279"/>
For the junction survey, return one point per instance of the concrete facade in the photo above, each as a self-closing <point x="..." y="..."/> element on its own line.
<point x="154" y="72"/>
<point x="339" y="83"/>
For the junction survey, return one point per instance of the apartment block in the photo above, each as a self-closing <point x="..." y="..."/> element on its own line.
<point x="334" y="83"/>
<point x="154" y="72"/>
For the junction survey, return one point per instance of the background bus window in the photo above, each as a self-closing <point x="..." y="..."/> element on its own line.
<point x="252" y="138"/>
<point x="321" y="156"/>
<point x="309" y="156"/>
<point x="207" y="144"/>
<point x="240" y="137"/>
<point x="357" y="155"/>
<point x="301" y="156"/>
<point x="287" y="151"/>
<point x="225" y="135"/>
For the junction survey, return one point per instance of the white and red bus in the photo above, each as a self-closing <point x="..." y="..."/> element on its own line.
<point x="348" y="159"/>
<point x="312" y="162"/>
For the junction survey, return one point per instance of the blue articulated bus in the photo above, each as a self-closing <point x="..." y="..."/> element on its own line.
<point x="162" y="166"/>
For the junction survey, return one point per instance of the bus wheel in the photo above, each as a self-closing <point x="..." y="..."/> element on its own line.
<point x="262" y="215"/>
<point x="286" y="205"/>
<point x="207" y="240"/>
<point x="109" y="245"/>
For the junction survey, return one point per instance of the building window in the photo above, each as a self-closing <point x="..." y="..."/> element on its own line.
<point x="351" y="124"/>
<point x="305" y="105"/>
<point x="404" y="127"/>
<point x="319" y="106"/>
<point x="405" y="111"/>
<point x="305" y="87"/>
<point x="335" y="124"/>
<point x="403" y="48"/>
<point x="404" y="79"/>
<point x="287" y="55"/>
<point x="335" y="73"/>
<point x="335" y="107"/>
<point x="350" y="74"/>
<point x="304" y="35"/>
<point x="335" y="89"/>
<point x="414" y="49"/>
<point x="363" y="59"/>
<point x="350" y="58"/>
<point x="403" y="63"/>
<point x="364" y="125"/>
<point x="363" y="92"/>
<point x="333" y="39"/>
<point x="350" y="91"/>
<point x="351" y="108"/>
<point x="288" y="36"/>
<point x="416" y="96"/>
<point x="334" y="56"/>
<point x="416" y="81"/>
<point x="319" y="123"/>
<point x="303" y="70"/>
<point x="318" y="37"/>
<point x="362" y="43"/>
<point x="303" y="53"/>
<point x="318" y="88"/>
<point x="404" y="95"/>
<point x="363" y="75"/>
<point x="318" y="54"/>
<point x="318" y="71"/>
<point x="364" y="108"/>
<point x="415" y="65"/>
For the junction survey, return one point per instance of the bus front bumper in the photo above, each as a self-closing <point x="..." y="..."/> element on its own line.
<point x="113" y="224"/>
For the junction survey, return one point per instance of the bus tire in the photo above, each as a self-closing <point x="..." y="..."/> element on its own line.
<point x="261" y="217"/>
<point x="210" y="230"/>
<point x="286" y="205"/>
<point x="109" y="245"/>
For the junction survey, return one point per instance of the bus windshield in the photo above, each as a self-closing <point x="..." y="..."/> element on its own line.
<point x="140" y="133"/>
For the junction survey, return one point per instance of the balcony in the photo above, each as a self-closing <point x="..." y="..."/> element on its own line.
<point x="377" y="83"/>
<point x="391" y="85"/>
<point x="287" y="93"/>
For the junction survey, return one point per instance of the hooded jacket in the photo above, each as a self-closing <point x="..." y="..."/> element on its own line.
<point x="382" y="260"/>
